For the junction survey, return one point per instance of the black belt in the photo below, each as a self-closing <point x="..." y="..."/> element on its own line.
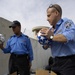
<point x="69" y="56"/>
<point x="19" y="55"/>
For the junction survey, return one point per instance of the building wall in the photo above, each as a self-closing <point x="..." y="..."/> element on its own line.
<point x="4" y="58"/>
<point x="40" y="56"/>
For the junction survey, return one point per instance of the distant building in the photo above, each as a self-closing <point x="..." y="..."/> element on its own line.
<point x="36" y="29"/>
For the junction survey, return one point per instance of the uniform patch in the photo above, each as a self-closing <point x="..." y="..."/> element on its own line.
<point x="68" y="24"/>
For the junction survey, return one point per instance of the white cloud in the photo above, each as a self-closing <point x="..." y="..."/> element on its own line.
<point x="32" y="13"/>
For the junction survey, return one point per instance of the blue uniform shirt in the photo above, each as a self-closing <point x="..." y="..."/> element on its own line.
<point x="19" y="45"/>
<point x="67" y="28"/>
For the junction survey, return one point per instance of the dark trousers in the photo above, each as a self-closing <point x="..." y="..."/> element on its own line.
<point x="64" y="65"/>
<point x="19" y="64"/>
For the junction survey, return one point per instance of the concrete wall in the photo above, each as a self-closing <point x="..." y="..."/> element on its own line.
<point x="40" y="56"/>
<point x="4" y="58"/>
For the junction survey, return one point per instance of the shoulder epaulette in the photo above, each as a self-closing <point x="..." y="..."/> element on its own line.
<point x="65" y="19"/>
<point x="10" y="37"/>
<point x="26" y="36"/>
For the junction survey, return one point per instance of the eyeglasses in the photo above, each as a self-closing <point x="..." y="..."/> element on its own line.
<point x="54" y="7"/>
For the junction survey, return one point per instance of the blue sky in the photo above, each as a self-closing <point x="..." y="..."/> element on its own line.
<point x="32" y="13"/>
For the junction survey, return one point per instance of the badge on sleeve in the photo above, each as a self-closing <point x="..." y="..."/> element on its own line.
<point x="68" y="24"/>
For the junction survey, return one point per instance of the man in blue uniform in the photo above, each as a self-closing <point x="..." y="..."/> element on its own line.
<point x="19" y="46"/>
<point x="62" y="36"/>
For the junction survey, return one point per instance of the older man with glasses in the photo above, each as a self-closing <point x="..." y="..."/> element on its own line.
<point x="62" y="36"/>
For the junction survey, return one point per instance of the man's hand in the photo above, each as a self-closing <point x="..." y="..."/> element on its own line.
<point x="1" y="46"/>
<point x="47" y="32"/>
<point x="45" y="47"/>
<point x="30" y="64"/>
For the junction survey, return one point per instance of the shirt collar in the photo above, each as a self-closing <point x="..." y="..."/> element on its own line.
<point x="59" y="22"/>
<point x="58" y="25"/>
<point x="19" y="35"/>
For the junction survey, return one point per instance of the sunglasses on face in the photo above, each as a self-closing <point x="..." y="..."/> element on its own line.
<point x="53" y="6"/>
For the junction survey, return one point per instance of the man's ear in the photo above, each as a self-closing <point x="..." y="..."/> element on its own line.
<point x="57" y="13"/>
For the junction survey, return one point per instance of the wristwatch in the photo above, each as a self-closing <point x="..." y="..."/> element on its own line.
<point x="51" y="37"/>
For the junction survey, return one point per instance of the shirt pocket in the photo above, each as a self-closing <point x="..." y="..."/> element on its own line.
<point x="12" y="44"/>
<point x="23" y="44"/>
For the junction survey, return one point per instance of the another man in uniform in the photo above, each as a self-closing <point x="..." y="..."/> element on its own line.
<point x="62" y="36"/>
<point x="19" y="46"/>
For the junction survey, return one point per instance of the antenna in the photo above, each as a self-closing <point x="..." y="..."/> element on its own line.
<point x="24" y="30"/>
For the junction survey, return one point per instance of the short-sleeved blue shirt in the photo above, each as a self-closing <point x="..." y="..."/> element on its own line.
<point x="65" y="27"/>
